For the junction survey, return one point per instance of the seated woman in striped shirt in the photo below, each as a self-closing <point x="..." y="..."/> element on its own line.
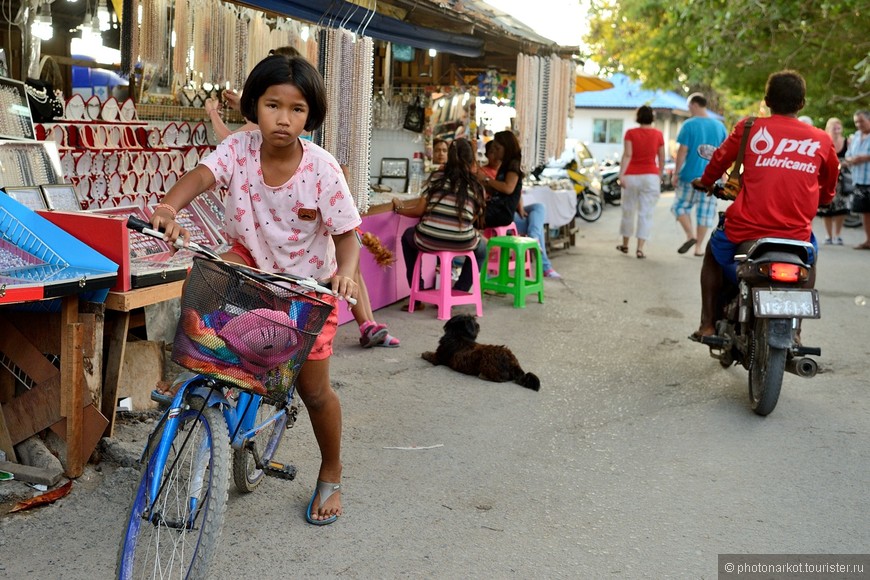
<point x="450" y="208"/>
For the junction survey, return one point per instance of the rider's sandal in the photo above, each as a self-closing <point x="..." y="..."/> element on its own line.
<point x="623" y="249"/>
<point x="325" y="490"/>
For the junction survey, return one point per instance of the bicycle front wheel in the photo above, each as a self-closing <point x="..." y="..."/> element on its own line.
<point x="177" y="536"/>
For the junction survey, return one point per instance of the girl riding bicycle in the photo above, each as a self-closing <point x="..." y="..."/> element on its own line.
<point x="288" y="209"/>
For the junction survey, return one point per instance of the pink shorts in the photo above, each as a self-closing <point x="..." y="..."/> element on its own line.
<point x="322" y="348"/>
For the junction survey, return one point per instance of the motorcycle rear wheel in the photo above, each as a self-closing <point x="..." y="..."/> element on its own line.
<point x="589" y="207"/>
<point x="766" y="371"/>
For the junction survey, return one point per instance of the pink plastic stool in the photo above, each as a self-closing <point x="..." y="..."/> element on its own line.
<point x="446" y="297"/>
<point x="492" y="265"/>
<point x="508" y="230"/>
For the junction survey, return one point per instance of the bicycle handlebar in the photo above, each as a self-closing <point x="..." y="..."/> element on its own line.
<point x="144" y="227"/>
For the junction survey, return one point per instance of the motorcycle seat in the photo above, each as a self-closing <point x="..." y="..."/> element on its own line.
<point x="777" y="250"/>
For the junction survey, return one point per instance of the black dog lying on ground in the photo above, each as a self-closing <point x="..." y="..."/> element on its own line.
<point x="459" y="350"/>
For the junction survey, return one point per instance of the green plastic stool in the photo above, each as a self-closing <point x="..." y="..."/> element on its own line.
<point x="515" y="281"/>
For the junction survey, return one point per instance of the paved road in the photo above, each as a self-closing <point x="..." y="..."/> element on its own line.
<point x="639" y="457"/>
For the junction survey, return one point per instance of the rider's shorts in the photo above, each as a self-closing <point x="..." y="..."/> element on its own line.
<point x="686" y="197"/>
<point x="322" y="348"/>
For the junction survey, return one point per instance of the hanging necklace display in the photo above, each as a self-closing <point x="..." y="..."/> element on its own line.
<point x="183" y="138"/>
<point x="191" y="159"/>
<point x="75" y="108"/>
<point x="170" y="135"/>
<point x="15" y="118"/>
<point x="169" y="180"/>
<point x="156" y="185"/>
<point x="128" y="111"/>
<point x="61" y="197"/>
<point x="83" y="163"/>
<point x="113" y="160"/>
<point x="110" y="110"/>
<point x="154" y="137"/>
<point x="98" y="161"/>
<point x="128" y="184"/>
<point x="92" y="108"/>
<point x="165" y="162"/>
<point x="200" y="134"/>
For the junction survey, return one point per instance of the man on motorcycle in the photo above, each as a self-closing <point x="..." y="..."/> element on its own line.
<point x="789" y="170"/>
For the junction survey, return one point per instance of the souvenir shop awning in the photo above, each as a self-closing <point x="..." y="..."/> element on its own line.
<point x="353" y="17"/>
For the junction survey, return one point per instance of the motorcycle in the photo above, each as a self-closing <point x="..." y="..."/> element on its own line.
<point x="611" y="189"/>
<point x="589" y="206"/>
<point x="761" y="316"/>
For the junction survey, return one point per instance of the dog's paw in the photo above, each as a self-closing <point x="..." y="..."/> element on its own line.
<point x="429" y="357"/>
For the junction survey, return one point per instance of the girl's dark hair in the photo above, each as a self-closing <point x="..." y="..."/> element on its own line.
<point x="512" y="160"/>
<point x="286" y="70"/>
<point x="785" y="92"/>
<point x="285" y="51"/>
<point x="458" y="178"/>
<point x="645" y="115"/>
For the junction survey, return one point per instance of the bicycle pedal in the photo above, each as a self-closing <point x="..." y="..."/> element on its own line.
<point x="279" y="470"/>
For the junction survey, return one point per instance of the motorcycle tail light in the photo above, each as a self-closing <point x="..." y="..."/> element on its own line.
<point x="784" y="272"/>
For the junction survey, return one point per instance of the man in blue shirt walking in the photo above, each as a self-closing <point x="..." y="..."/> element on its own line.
<point x="698" y="138"/>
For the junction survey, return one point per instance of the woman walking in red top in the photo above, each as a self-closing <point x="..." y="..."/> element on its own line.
<point x="643" y="158"/>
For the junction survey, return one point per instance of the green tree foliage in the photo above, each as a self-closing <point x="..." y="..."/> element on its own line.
<point x="727" y="49"/>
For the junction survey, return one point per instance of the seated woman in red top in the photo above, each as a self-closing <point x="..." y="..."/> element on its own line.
<point x="789" y="170"/>
<point x="643" y="158"/>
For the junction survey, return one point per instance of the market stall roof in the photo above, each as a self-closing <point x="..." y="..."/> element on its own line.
<point x="469" y="28"/>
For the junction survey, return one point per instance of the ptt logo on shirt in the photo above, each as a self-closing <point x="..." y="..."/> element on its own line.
<point x="763" y="143"/>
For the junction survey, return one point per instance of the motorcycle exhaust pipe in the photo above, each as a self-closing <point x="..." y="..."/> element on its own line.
<point x="802" y="367"/>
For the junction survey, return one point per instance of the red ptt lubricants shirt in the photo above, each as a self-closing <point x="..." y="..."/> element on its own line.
<point x="789" y="169"/>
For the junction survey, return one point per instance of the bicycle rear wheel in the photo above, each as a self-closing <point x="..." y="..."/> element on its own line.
<point x="178" y="535"/>
<point x="246" y="475"/>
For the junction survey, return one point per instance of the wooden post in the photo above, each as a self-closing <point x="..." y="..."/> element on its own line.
<point x="71" y="375"/>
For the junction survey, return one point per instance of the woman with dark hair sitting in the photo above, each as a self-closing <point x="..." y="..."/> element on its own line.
<point x="451" y="207"/>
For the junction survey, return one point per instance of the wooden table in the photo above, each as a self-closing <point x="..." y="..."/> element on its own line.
<point x="119" y="306"/>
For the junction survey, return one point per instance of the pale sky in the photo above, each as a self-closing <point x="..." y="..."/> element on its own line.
<point x="563" y="21"/>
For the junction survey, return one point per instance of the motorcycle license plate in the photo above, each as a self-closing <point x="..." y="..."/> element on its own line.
<point x="786" y="303"/>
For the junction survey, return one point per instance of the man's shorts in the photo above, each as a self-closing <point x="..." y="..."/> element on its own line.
<point x="322" y="348"/>
<point x="724" y="249"/>
<point x="687" y="197"/>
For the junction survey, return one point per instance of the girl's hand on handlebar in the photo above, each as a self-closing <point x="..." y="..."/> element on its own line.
<point x="163" y="221"/>
<point x="344" y="287"/>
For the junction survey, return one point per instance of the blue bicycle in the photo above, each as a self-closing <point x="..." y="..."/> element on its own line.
<point x="244" y="336"/>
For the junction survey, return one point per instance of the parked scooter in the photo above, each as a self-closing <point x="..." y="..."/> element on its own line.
<point x="611" y="190"/>
<point x="589" y="206"/>
<point x="761" y="316"/>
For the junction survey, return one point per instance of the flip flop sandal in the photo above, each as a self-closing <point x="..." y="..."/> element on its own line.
<point x="325" y="489"/>
<point x="640" y="255"/>
<point x="685" y="247"/>
<point x="374" y="335"/>
<point x="390" y="341"/>
<point x="623" y="249"/>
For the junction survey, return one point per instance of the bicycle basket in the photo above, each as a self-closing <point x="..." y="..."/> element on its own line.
<point x="237" y="327"/>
